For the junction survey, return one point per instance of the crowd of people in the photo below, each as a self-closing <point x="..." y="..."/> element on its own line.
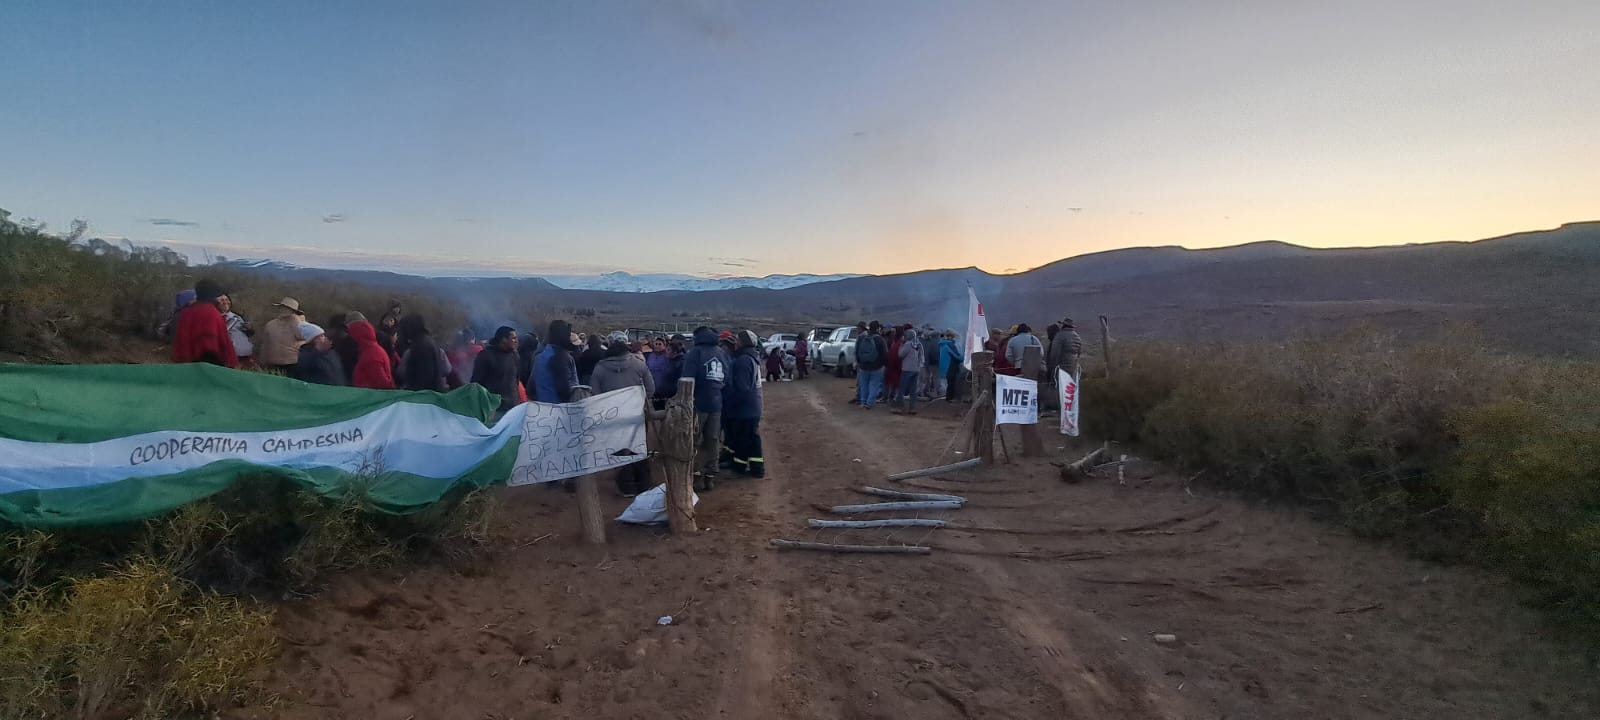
<point x="902" y="365"/>
<point x="400" y="353"/>
<point x="899" y="365"/>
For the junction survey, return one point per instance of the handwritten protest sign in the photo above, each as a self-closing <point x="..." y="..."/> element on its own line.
<point x="1017" y="401"/>
<point x="1068" y="387"/>
<point x="565" y="440"/>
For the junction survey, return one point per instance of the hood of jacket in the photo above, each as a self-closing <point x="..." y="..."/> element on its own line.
<point x="705" y="336"/>
<point x="363" y="333"/>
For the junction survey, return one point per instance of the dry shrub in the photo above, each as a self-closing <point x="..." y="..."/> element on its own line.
<point x="1529" y="472"/>
<point x="137" y="641"/>
<point x="1459" y="451"/>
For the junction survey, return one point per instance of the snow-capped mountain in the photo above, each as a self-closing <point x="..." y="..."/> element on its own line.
<point x="619" y="281"/>
<point x="656" y="282"/>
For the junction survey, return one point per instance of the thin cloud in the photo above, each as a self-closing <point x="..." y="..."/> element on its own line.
<point x="173" y="222"/>
<point x="1076" y="210"/>
<point x="334" y="218"/>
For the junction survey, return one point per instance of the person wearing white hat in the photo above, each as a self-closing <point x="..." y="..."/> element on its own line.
<point x="318" y="363"/>
<point x="279" y="347"/>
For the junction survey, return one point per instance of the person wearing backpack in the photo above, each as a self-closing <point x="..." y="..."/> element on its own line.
<point x="872" y="356"/>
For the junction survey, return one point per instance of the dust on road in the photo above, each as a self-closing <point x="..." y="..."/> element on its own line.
<point x="1047" y="612"/>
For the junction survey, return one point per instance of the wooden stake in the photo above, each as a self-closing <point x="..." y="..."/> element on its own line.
<point x="898" y="495"/>
<point x="826" y="547"/>
<point x="983" y="424"/>
<point x="1032" y="359"/>
<point x="590" y="518"/>
<point x="940" y="470"/>
<point x="895" y="506"/>
<point x="679" y="453"/>
<point x="1105" y="343"/>
<point x="863" y="524"/>
<point x="964" y="431"/>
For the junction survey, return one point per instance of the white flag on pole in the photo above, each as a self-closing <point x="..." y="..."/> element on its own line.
<point x="977" y="328"/>
<point x="1068" y="387"/>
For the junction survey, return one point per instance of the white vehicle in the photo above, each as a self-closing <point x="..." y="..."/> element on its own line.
<point x="779" y="340"/>
<point x="838" y="352"/>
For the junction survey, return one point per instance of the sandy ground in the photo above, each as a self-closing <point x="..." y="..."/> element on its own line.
<point x="1048" y="612"/>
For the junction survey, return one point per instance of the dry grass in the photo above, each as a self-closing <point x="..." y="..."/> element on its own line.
<point x="128" y="621"/>
<point x="136" y="641"/>
<point x="1459" y="451"/>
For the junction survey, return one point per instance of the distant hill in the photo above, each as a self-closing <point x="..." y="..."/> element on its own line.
<point x="1538" y="291"/>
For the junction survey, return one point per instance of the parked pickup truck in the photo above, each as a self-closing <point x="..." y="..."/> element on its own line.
<point x="784" y="341"/>
<point x="838" y="352"/>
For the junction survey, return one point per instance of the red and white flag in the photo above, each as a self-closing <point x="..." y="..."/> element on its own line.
<point x="977" y="328"/>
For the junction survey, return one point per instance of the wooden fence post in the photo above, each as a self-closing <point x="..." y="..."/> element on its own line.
<point x="590" y="517"/>
<point x="983" y="424"/>
<point x="1032" y="359"/>
<point x="1105" y="343"/>
<point x="679" y="444"/>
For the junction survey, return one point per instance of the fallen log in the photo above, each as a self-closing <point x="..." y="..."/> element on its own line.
<point x="940" y="470"/>
<point x="862" y="524"/>
<point x="895" y="507"/>
<point x="880" y="492"/>
<point x="1081" y="469"/>
<point x="780" y="544"/>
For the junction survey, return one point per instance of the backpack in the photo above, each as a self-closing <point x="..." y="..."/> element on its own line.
<point x="867" y="352"/>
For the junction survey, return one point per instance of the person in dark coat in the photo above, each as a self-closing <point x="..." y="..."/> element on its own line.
<point x="591" y="356"/>
<point x="555" y="373"/>
<point x="775" y="364"/>
<point x="527" y="350"/>
<point x="344" y="345"/>
<point x="741" y="406"/>
<point x="708" y="365"/>
<point x="423" y="365"/>
<point x="495" y="368"/>
<point x="318" y="362"/>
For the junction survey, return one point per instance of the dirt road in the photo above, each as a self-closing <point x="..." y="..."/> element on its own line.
<point x="1046" y="606"/>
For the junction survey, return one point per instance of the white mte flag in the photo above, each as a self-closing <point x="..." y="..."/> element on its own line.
<point x="977" y="328"/>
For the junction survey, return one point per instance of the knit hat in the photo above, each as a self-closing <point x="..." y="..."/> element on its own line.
<point x="353" y="317"/>
<point x="617" y="337"/>
<point x="749" y="339"/>
<point x="309" y="332"/>
<point x="186" y="298"/>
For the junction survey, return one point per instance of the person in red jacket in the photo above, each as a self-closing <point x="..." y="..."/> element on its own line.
<point x="202" y="334"/>
<point x="372" y="365"/>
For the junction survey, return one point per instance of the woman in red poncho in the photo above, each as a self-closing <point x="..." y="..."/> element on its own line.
<point x="891" y="372"/>
<point x="373" y="370"/>
<point x="202" y="333"/>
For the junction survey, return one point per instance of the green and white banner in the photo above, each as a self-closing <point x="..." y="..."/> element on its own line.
<point x="87" y="445"/>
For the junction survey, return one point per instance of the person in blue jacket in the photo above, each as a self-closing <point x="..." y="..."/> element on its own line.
<point x="708" y="365"/>
<point x="741" y="406"/>
<point x="950" y="365"/>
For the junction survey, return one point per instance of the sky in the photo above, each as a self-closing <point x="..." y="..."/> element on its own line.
<point x="762" y="137"/>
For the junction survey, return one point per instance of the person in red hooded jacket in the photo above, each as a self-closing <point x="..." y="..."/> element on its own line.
<point x="373" y="370"/>
<point x="202" y="333"/>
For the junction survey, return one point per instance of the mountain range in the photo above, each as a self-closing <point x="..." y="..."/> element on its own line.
<point x="1535" y="291"/>
<point x="619" y="281"/>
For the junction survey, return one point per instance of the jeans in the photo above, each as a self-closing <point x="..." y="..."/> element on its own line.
<point x="909" y="388"/>
<point x="869" y="384"/>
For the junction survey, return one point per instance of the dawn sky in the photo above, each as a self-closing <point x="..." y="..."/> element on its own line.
<point x="781" y="137"/>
